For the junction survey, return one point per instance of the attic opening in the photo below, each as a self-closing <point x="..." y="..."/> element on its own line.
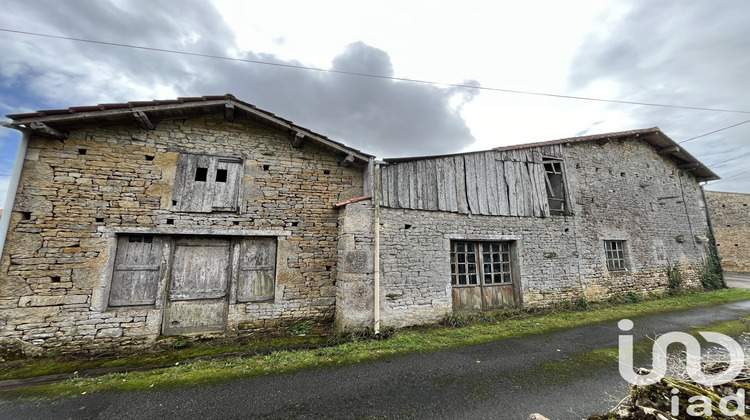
<point x="555" y="180"/>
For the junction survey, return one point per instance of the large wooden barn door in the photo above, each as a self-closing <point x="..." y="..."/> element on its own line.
<point x="481" y="276"/>
<point x="198" y="286"/>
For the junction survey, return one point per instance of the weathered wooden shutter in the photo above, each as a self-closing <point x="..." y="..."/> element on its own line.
<point x="200" y="269"/>
<point x="207" y="183"/>
<point x="136" y="272"/>
<point x="193" y="183"/>
<point x="226" y="184"/>
<point x="257" y="270"/>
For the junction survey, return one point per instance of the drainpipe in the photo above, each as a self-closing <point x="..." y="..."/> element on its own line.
<point x="376" y="256"/>
<point x="15" y="178"/>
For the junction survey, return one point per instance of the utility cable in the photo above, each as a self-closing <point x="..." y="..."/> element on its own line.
<point x="731" y="177"/>
<point x="376" y="76"/>
<point x="729" y="160"/>
<point x="715" y="131"/>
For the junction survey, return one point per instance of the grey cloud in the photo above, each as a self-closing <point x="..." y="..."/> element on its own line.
<point x="383" y="117"/>
<point x="688" y="54"/>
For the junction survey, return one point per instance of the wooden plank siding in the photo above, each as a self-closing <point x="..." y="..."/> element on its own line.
<point x="494" y="183"/>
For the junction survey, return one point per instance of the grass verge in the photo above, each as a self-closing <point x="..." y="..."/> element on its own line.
<point x="203" y="372"/>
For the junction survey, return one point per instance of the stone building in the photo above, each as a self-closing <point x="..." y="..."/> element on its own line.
<point x="528" y="225"/>
<point x="208" y="215"/>
<point x="171" y="217"/>
<point x="730" y="213"/>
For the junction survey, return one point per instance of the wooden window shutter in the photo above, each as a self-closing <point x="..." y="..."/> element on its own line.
<point x="257" y="270"/>
<point x="137" y="268"/>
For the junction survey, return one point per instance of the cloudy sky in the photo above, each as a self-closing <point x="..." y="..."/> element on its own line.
<point x="683" y="53"/>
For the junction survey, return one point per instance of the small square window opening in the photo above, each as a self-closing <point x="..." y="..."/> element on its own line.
<point x="221" y="175"/>
<point x="201" y="174"/>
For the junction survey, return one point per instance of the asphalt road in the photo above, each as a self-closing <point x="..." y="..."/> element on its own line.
<point x="735" y="280"/>
<point x="500" y="380"/>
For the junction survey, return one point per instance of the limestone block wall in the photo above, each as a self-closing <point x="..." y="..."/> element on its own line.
<point x="730" y="213"/>
<point x="75" y="197"/>
<point x="618" y="191"/>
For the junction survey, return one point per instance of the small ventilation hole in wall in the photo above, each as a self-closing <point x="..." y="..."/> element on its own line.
<point x="149" y="157"/>
<point x="328" y="268"/>
<point x="81" y="151"/>
<point x="567" y="229"/>
<point x="266" y="167"/>
<point x="622" y="173"/>
<point x="170" y="221"/>
<point x="174" y="202"/>
<point x="326" y="171"/>
<point x="295" y="224"/>
<point x="407" y="226"/>
<point x="99" y="219"/>
<point x="236" y="223"/>
<point x="25" y="215"/>
<point x="55" y="279"/>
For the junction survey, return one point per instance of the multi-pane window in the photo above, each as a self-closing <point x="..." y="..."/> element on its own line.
<point x="615" y="255"/>
<point x="207" y="183"/>
<point x="554" y="178"/>
<point x="488" y="261"/>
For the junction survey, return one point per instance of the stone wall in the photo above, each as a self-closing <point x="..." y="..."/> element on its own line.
<point x="76" y="196"/>
<point x="618" y="191"/>
<point x="730" y="213"/>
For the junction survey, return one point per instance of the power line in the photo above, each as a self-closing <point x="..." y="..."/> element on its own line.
<point x="376" y="76"/>
<point x="715" y="131"/>
<point x="731" y="177"/>
<point x="729" y="160"/>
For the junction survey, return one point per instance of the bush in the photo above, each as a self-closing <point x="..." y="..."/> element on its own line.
<point x="581" y="304"/>
<point x="674" y="275"/>
<point x="633" y="297"/>
<point x="300" y="329"/>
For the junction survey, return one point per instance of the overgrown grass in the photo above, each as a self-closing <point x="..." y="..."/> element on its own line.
<point x="201" y="372"/>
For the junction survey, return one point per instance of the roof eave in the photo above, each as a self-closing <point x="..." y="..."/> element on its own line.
<point x="207" y="105"/>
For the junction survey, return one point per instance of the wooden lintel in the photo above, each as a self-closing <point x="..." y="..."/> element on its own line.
<point x="298" y="138"/>
<point x="229" y="112"/>
<point x="669" y="150"/>
<point x="43" y="128"/>
<point x="690" y="166"/>
<point x="347" y="160"/>
<point x="143" y="120"/>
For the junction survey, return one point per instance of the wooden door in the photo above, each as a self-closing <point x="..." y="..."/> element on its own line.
<point x="198" y="286"/>
<point x="482" y="276"/>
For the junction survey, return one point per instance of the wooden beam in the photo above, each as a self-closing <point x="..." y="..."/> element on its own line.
<point x="143" y="120"/>
<point x="690" y="166"/>
<point x="229" y="112"/>
<point x="669" y="150"/>
<point x="43" y="128"/>
<point x="297" y="142"/>
<point x="347" y="160"/>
